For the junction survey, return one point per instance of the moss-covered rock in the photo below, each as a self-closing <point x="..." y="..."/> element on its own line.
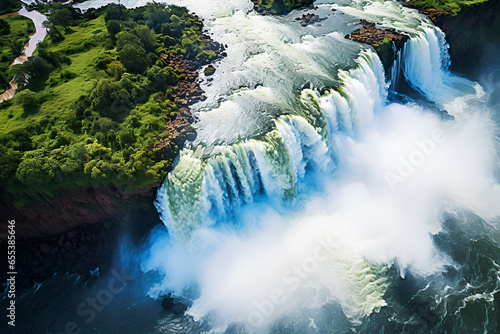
<point x="279" y="6"/>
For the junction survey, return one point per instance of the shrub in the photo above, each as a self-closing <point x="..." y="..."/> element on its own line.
<point x="133" y="58"/>
<point x="28" y="100"/>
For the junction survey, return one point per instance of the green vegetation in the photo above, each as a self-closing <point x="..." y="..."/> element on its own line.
<point x="9" y="6"/>
<point x="14" y="34"/>
<point x="385" y="51"/>
<point x="453" y="7"/>
<point x="93" y="99"/>
<point x="282" y="6"/>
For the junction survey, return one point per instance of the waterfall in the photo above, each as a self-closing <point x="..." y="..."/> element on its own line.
<point x="348" y="138"/>
<point x="362" y="92"/>
<point x="204" y="190"/>
<point x="396" y="70"/>
<point x="426" y="63"/>
<point x="207" y="186"/>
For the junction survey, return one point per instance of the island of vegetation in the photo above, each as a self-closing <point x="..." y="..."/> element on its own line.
<point x="100" y="112"/>
<point x="279" y="6"/>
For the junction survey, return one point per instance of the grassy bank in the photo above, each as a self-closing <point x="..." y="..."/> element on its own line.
<point x="14" y="34"/>
<point x="94" y="99"/>
<point x="452" y="7"/>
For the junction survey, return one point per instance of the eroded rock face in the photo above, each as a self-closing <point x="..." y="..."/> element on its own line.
<point x="178" y="125"/>
<point x="474" y="38"/>
<point x="69" y="209"/>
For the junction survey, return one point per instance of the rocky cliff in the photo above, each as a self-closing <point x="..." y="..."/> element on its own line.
<point x="473" y="35"/>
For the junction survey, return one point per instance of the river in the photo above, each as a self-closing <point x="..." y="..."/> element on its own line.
<point x="36" y="37"/>
<point x="306" y="209"/>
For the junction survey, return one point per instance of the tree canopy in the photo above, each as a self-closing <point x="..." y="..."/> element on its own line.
<point x="109" y="132"/>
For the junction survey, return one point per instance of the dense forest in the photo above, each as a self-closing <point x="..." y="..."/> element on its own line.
<point x="92" y="101"/>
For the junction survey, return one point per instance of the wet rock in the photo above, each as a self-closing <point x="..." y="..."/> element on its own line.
<point x="82" y="250"/>
<point x="209" y="70"/>
<point x="45" y="249"/>
<point x="179" y="308"/>
<point x="40" y="269"/>
<point x="54" y="251"/>
<point x="374" y="36"/>
<point x="70" y="256"/>
<point x="167" y="303"/>
<point x="61" y="240"/>
<point x="308" y="19"/>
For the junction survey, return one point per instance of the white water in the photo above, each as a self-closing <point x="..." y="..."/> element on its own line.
<point x="426" y="63"/>
<point x="290" y="200"/>
<point x="400" y="168"/>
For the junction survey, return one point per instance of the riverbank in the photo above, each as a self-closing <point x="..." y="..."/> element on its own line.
<point x="18" y="30"/>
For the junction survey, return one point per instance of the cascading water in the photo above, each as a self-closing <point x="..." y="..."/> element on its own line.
<point x="202" y="191"/>
<point x="361" y="128"/>
<point x="323" y="209"/>
<point x="396" y="70"/>
<point x="426" y="63"/>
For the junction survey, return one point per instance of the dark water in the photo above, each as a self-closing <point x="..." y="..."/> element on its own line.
<point x="463" y="299"/>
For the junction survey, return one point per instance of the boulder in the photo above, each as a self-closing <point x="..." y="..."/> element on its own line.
<point x="179" y="308"/>
<point x="167" y="303"/>
<point x="209" y="70"/>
